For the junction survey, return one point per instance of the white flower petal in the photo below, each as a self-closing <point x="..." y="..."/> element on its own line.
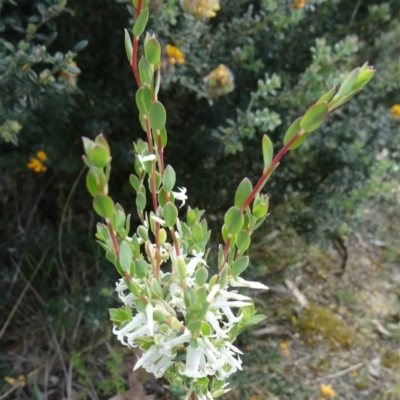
<point x="240" y="282"/>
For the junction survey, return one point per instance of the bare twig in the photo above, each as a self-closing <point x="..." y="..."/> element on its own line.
<point x="340" y="373"/>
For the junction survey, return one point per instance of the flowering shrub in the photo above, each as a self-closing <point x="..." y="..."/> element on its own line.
<point x="219" y="82"/>
<point x="182" y="316"/>
<point x="201" y="8"/>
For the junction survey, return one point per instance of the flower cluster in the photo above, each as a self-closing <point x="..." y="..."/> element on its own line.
<point x="36" y="164"/>
<point x="184" y="315"/>
<point x="395" y="111"/>
<point x="174" y="55"/>
<point x="220" y="81"/>
<point x="201" y="8"/>
<point x="299" y="3"/>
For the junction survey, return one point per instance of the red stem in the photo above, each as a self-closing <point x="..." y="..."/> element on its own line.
<point x="266" y="174"/>
<point x="135" y="47"/>
<point x="113" y="238"/>
<point x="160" y="154"/>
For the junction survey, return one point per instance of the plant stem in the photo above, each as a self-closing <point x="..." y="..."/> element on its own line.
<point x="135" y="47"/>
<point x="261" y="182"/>
<point x="113" y="237"/>
<point x="268" y="171"/>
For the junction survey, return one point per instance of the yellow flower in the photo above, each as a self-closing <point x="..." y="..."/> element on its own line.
<point x="327" y="391"/>
<point x="220" y="81"/>
<point x="41" y="155"/>
<point x="36" y="164"/>
<point x="299" y="3"/>
<point x="201" y="8"/>
<point x="395" y="111"/>
<point x="174" y="55"/>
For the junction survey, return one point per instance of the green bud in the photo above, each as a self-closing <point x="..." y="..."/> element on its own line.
<point x="181" y="267"/>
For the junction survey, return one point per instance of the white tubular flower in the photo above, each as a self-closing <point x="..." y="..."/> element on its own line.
<point x="181" y="195"/>
<point x="157" y="219"/>
<point x="213" y="321"/>
<point x="161" y="367"/>
<point x="137" y="321"/>
<point x="150" y="321"/>
<point x="132" y="336"/>
<point x="240" y="282"/>
<point x="213" y="292"/>
<point x="185" y="337"/>
<point x="231" y="317"/>
<point x="192" y="264"/>
<point x="193" y="359"/>
<point x="148" y="357"/>
<point x="222" y="302"/>
<point x="127" y="299"/>
<point x="233" y="295"/>
<point x="150" y="157"/>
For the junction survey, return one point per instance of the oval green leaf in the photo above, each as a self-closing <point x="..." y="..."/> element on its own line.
<point x="233" y="220"/>
<point x="267" y="150"/>
<point x="104" y="206"/>
<point x="141" y="22"/>
<point x="314" y="117"/>
<point x="243" y="192"/>
<point x="157" y="116"/>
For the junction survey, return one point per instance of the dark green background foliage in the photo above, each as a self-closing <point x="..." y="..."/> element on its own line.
<point x="283" y="59"/>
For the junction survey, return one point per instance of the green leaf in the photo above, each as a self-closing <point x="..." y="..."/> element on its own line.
<point x="143" y="99"/>
<point x="157" y="115"/>
<point x="197" y="232"/>
<point x="365" y="75"/>
<point x="128" y="46"/>
<point x="170" y="214"/>
<point x="348" y="83"/>
<point x="145" y="71"/>
<point x="201" y="276"/>
<point x="260" y="210"/>
<point x="169" y="179"/>
<point x="152" y="51"/>
<point x="314" y="117"/>
<point x="91" y="183"/>
<point x="134" y="181"/>
<point x="239" y="266"/>
<point x="293" y="129"/>
<point x="243" y="241"/>
<point x="256" y="319"/>
<point x="142" y="232"/>
<point x="156" y="288"/>
<point x="140" y="201"/>
<point x="233" y="220"/>
<point x="87" y="145"/>
<point x="141" y="269"/>
<point x="243" y="192"/>
<point x="104" y="206"/>
<point x="267" y="150"/>
<point x="125" y="256"/>
<point x="99" y="156"/>
<point x="141" y="22"/>
<point x="327" y="96"/>
<point x="80" y="46"/>
<point x="163" y="134"/>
